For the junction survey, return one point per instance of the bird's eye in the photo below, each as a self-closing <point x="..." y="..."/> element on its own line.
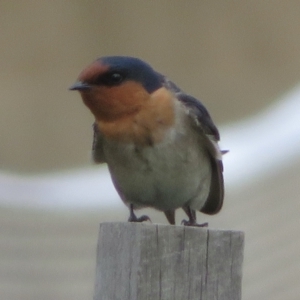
<point x="110" y="78"/>
<point x="114" y="78"/>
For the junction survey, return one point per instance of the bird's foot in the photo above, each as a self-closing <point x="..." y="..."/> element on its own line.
<point x="192" y="218"/>
<point x="135" y="219"/>
<point x="193" y="224"/>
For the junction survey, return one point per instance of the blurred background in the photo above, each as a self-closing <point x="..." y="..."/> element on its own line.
<point x="241" y="58"/>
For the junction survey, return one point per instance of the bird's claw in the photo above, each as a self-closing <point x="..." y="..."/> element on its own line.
<point x="135" y="219"/>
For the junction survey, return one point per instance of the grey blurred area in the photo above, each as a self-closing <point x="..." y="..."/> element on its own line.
<point x="236" y="56"/>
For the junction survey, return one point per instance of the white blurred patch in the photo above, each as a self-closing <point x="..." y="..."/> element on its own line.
<point x="84" y="188"/>
<point x="263" y="143"/>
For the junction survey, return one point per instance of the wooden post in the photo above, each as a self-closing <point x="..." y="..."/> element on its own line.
<point x="161" y="262"/>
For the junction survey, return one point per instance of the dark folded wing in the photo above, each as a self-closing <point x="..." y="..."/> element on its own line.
<point x="97" y="147"/>
<point x="210" y="134"/>
<point x="200" y="114"/>
<point x="214" y="201"/>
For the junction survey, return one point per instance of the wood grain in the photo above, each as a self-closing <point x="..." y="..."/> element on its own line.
<point x="162" y="262"/>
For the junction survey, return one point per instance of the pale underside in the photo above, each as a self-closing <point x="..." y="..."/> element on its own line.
<point x="167" y="175"/>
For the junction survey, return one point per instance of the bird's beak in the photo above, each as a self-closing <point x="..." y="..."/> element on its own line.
<point x="79" y="86"/>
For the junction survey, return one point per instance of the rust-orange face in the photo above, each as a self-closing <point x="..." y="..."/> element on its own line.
<point x="127" y="99"/>
<point x="115" y="86"/>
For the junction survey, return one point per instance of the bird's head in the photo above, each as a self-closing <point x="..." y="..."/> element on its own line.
<point x="116" y="86"/>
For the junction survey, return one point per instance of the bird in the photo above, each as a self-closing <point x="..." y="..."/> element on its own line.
<point x="160" y="143"/>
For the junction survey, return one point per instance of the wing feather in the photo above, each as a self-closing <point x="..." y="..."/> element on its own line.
<point x="206" y="127"/>
<point x="97" y="147"/>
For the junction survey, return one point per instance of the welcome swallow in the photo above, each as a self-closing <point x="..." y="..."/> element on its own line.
<point x="160" y="144"/>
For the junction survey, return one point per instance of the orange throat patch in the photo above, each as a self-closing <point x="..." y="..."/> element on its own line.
<point x="130" y="115"/>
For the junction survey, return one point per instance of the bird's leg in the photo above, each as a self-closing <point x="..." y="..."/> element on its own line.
<point x="134" y="218"/>
<point x="170" y="214"/>
<point x="191" y="213"/>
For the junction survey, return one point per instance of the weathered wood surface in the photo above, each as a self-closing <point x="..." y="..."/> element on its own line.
<point x="162" y="262"/>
